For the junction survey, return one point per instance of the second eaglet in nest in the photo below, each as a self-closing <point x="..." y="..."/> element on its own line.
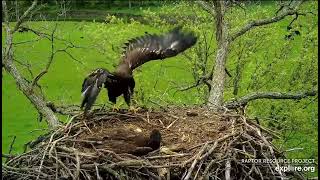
<point x="131" y="142"/>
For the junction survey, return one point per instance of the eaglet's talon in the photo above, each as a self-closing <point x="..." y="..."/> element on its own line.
<point x="134" y="109"/>
<point x="102" y="108"/>
<point x="115" y="108"/>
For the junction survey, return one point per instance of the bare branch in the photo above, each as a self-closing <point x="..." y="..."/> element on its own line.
<point x="25" y="14"/>
<point x="198" y="83"/>
<point x="228" y="169"/>
<point x="37" y="78"/>
<point x="5" y="12"/>
<point x="12" y="143"/>
<point x="268" y="95"/>
<point x="190" y="87"/>
<point x="262" y="22"/>
<point x="38" y="33"/>
<point x="207" y="7"/>
<point x="297" y="14"/>
<point x="6" y="52"/>
<point x="283" y="5"/>
<point x="194" y="163"/>
<point x="28" y="41"/>
<point x="69" y="54"/>
<point x="26" y="65"/>
<point x="234" y="2"/>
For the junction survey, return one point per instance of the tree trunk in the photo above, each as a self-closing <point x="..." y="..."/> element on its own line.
<point x="23" y="85"/>
<point x="218" y="79"/>
<point x="38" y="102"/>
<point x="215" y="99"/>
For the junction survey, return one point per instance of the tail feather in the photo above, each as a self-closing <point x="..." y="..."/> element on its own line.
<point x="92" y="95"/>
<point x="84" y="92"/>
<point x="92" y="85"/>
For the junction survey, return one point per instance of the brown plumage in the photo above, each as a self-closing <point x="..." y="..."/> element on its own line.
<point x="131" y="142"/>
<point x="136" y="52"/>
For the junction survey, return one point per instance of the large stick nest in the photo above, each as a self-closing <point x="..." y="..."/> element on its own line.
<point x="196" y="143"/>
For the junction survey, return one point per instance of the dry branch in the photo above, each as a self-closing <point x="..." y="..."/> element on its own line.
<point x="25" y="14"/>
<point x="206" y="6"/>
<point x="261" y="22"/>
<point x="197" y="157"/>
<point x="268" y="95"/>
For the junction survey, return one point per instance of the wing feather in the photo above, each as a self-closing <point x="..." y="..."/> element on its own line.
<point x="152" y="47"/>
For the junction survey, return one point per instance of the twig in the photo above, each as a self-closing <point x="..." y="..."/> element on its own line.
<point x="228" y="169"/>
<point x="213" y="141"/>
<point x="87" y="127"/>
<point x="171" y="124"/>
<point x="97" y="172"/>
<point x="294" y="149"/>
<point x="44" y="154"/>
<point x="268" y="95"/>
<point x="167" y="156"/>
<point x="196" y="159"/>
<point x="12" y="143"/>
<point x="205" y="172"/>
<point x="269" y="131"/>
<point x="199" y="167"/>
<point x="64" y="166"/>
<point x="76" y="174"/>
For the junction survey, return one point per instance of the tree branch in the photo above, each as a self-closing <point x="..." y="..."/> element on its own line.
<point x="200" y="81"/>
<point x="22" y="84"/>
<point x="268" y="95"/>
<point x="207" y="7"/>
<point x="261" y="22"/>
<point x="37" y="78"/>
<point x="297" y="14"/>
<point x="6" y="51"/>
<point x="38" y="33"/>
<point x="5" y="13"/>
<point x="25" y="14"/>
<point x="52" y="38"/>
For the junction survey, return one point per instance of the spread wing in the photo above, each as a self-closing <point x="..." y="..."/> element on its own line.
<point x="92" y="84"/>
<point x="152" y="47"/>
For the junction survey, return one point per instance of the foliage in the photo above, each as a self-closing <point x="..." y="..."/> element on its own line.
<point x="271" y="62"/>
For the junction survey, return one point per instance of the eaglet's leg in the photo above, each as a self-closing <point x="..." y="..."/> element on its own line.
<point x="127" y="97"/>
<point x="113" y="99"/>
<point x="115" y="106"/>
